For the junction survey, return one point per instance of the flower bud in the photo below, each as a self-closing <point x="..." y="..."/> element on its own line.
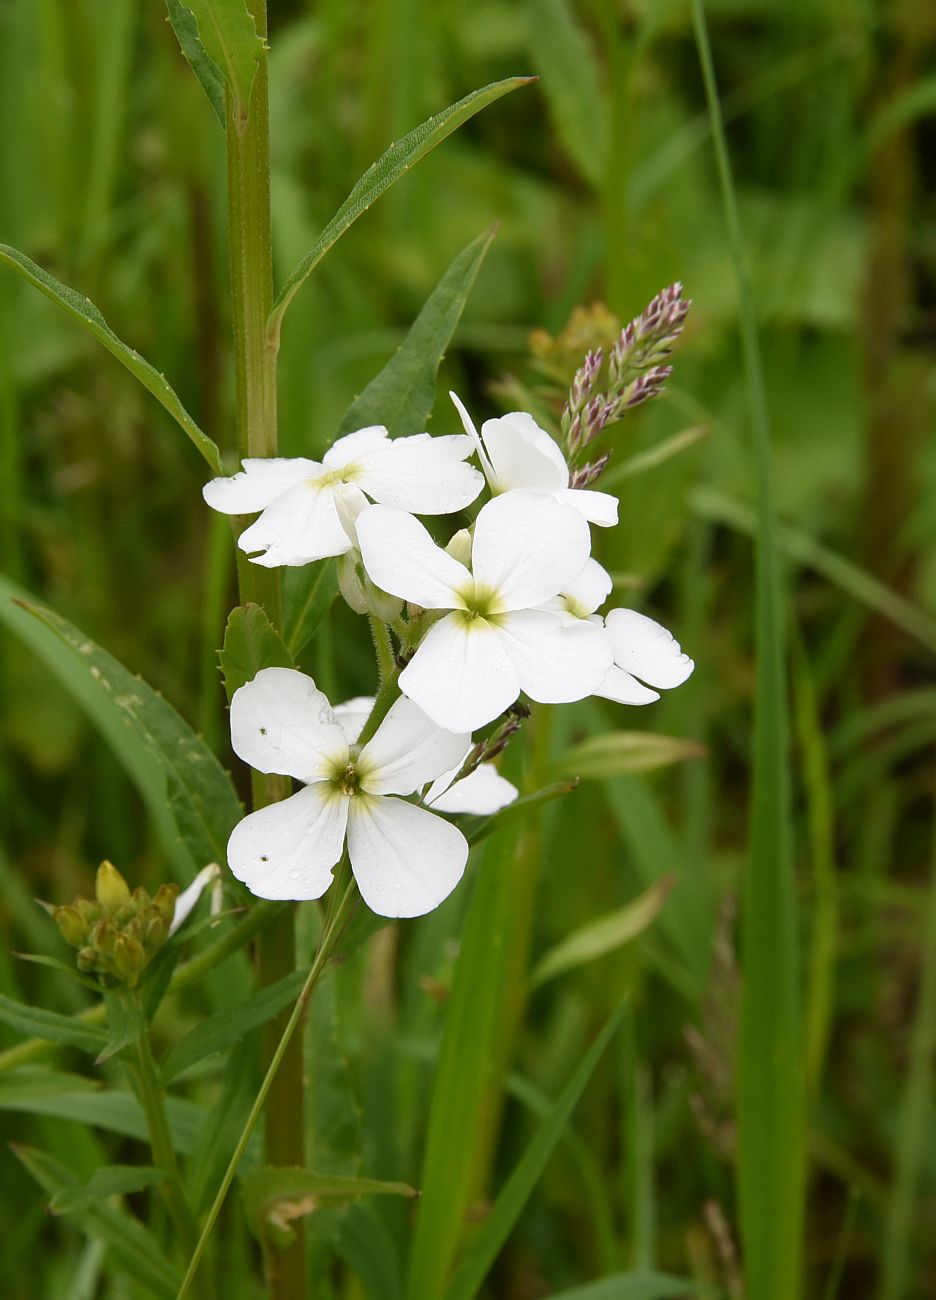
<point x="90" y="912"/>
<point x="129" y="958"/>
<point x="87" y="959"/>
<point x="360" y="592"/>
<point x="460" y="547"/>
<point x="164" y="900"/>
<point x="104" y="936"/>
<point x="140" y="898"/>
<point x="73" y="926"/>
<point x="110" y="889"/>
<point x="157" y="932"/>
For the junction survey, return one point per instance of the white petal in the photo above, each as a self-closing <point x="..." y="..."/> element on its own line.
<point x="288" y="849"/>
<point x="401" y="557"/>
<point x="599" y="508"/>
<point x="423" y="474"/>
<point x="349" y="502"/>
<point x="460" y="674"/>
<point x="407" y="750"/>
<point x="647" y="649"/>
<point x="556" y="659"/>
<point x="352" y="445"/>
<point x="352" y="715"/>
<point x="185" y="903"/>
<point x="469" y="426"/>
<point x="281" y="723"/>
<point x="527" y="548"/>
<point x="523" y="455"/>
<point x="482" y="792"/>
<point x="260" y="482"/>
<point x="590" y="589"/>
<point x="624" y="689"/>
<point x="405" y="860"/>
<point x="300" y="526"/>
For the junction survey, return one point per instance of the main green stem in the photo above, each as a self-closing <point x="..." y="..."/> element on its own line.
<point x="248" y="180"/>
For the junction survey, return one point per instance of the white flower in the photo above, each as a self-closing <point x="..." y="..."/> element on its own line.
<point x="299" y="522"/>
<point x="472" y="664"/>
<point x="482" y="792"/>
<point x="516" y="453"/>
<point x="642" y="649"/>
<point x="405" y="859"/>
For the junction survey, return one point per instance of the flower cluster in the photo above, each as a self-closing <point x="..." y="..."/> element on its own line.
<point x="508" y="607"/>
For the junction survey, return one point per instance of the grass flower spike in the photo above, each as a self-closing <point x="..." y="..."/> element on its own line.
<point x="496" y="641"/>
<point x="405" y="859"/>
<point x="516" y="453"/>
<point x="299" y="522"/>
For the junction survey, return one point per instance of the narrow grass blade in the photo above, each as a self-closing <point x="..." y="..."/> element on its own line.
<point x="113" y="1110"/>
<point x="843" y="573"/>
<point x="606" y="934"/>
<point x="479" y="828"/>
<point x="572" y="84"/>
<point x="210" y="76"/>
<point x="485" y="1247"/>
<point x="771" y="1155"/>
<point x="402" y="395"/>
<point x="915" y="1124"/>
<point x="618" y="752"/>
<point x="81" y="309"/>
<point x="201" y="797"/>
<point x="389" y="167"/>
<point x="132" y="1245"/>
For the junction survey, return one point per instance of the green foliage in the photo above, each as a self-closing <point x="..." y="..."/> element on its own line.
<point x="308" y="595"/>
<point x="250" y="643"/>
<point x="229" y="37"/>
<point x="37" y="1022"/>
<point x="619" y="752"/>
<point x="275" y="1197"/>
<point x="108" y="1181"/>
<point x="206" y="70"/>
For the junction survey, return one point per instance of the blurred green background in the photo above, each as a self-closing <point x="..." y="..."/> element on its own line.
<point x="602" y="179"/>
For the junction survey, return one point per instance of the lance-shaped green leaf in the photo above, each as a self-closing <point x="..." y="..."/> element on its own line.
<point x="110" y="1180"/>
<point x="209" y="75"/>
<point x="618" y="752"/>
<point x="274" y="1198"/>
<point x="225" y="1028"/>
<point x="132" y="1246"/>
<point x="83" y="310"/>
<point x="637" y="1286"/>
<point x="309" y="591"/>
<point x="201" y="798"/>
<point x="37" y="1022"/>
<point x="229" y="36"/>
<point x="605" y="935"/>
<point x="389" y="167"/>
<point x="402" y="395"/>
<point x="477" y="829"/>
<point x="486" y="1245"/>
<point x="250" y="643"/>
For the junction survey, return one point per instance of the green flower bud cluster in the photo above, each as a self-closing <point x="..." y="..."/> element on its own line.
<point x="117" y="933"/>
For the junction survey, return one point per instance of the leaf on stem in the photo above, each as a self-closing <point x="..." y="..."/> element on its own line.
<point x="109" y="1180"/>
<point x="201" y="798"/>
<point x="209" y="75"/>
<point x="274" y="1198"/>
<point x="250" y="643"/>
<point x="308" y="593"/>
<point x="389" y="167"/>
<point x="229" y="36"/>
<point x="477" y="829"/>
<point x="402" y="395"/>
<point x="37" y="1022"/>
<point x="83" y="310"/>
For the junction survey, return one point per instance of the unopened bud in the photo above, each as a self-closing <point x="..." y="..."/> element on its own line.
<point x="104" y="936"/>
<point x="164" y="900"/>
<point x="110" y="889"/>
<point x="73" y="926"/>
<point x="460" y="547"/>
<point x="90" y="912"/>
<point x="129" y="958"/>
<point x="157" y="932"/>
<point x="87" y="959"/>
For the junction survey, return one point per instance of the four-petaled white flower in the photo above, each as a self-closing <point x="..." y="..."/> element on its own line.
<point x="482" y="792"/>
<point x="299" y="522"/>
<point x="496" y="642"/>
<point x="516" y="453"/>
<point x="405" y="859"/>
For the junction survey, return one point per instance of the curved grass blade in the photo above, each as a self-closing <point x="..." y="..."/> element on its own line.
<point x="209" y="75"/>
<point x="485" y="1247"/>
<point x="637" y="1286"/>
<point x="402" y="395"/>
<point x="771" y="1110"/>
<point x="389" y="167"/>
<point x="83" y="310"/>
